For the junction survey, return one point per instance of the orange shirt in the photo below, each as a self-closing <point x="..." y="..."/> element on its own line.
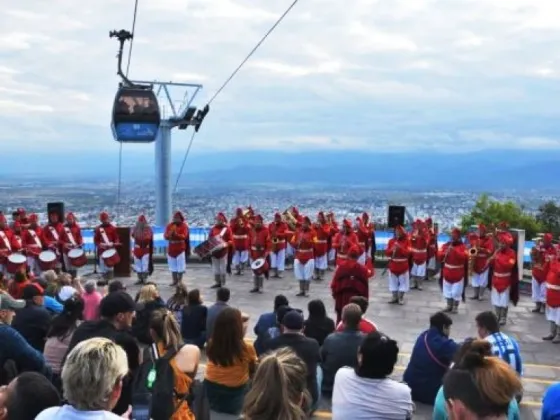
<point x="232" y="376"/>
<point x="182" y="385"/>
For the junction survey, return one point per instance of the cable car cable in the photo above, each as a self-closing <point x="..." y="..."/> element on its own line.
<point x="232" y="75"/>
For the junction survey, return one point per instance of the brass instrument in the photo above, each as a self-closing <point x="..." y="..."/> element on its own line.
<point x="246" y="213"/>
<point x="289" y="218"/>
<point x="536" y="253"/>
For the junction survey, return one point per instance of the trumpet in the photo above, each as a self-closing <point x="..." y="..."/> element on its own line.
<point x="473" y="251"/>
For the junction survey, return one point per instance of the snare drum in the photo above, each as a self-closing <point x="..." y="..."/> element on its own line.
<point x="47" y="260"/>
<point x="16" y="262"/>
<point x="210" y="246"/>
<point x="259" y="267"/>
<point x="77" y="257"/>
<point x="110" y="257"/>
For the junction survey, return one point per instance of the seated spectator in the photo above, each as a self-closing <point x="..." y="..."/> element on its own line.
<point x="231" y="363"/>
<point x="92" y="378"/>
<point x="222" y="299"/>
<point x="306" y="348"/>
<point x="50" y="277"/>
<point x="92" y="300"/>
<point x="117" y="312"/>
<point x="178" y="301"/>
<point x="278" y="389"/>
<point x="193" y="327"/>
<point x="28" y="387"/>
<point x="366" y="326"/>
<point x="551" y="403"/>
<point x="480" y="386"/>
<point x="431" y="356"/>
<point x="318" y="325"/>
<point x="16" y="286"/>
<point x="3" y="283"/>
<point x="116" y="286"/>
<point x="148" y="302"/>
<point x="51" y="304"/>
<point x="167" y="336"/>
<point x="367" y="392"/>
<point x="484" y="348"/>
<point x="59" y="336"/>
<point x="13" y="347"/>
<point x="503" y="346"/>
<point x="33" y="321"/>
<point x="341" y="348"/>
<point x="267" y="327"/>
<point x="67" y="287"/>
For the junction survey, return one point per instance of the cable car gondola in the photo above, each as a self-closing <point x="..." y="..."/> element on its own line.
<point x="136" y="115"/>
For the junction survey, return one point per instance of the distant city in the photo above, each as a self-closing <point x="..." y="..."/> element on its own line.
<point x="201" y="203"/>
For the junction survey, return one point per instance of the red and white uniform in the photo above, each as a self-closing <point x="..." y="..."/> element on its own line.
<point x="143" y="242"/>
<point x="259" y="240"/>
<point x="32" y="243"/>
<point x="454" y="258"/>
<point x="334" y="231"/>
<point x="398" y="251"/>
<point x="321" y="246"/>
<point x="553" y="293"/>
<point x="419" y="250"/>
<point x="432" y="245"/>
<point x="220" y="258"/>
<point x="70" y="238"/>
<point x="5" y="242"/>
<point x="540" y="269"/>
<point x="105" y="238"/>
<point x="278" y="236"/>
<point x="51" y="236"/>
<point x="303" y="244"/>
<point x="343" y="241"/>
<point x="240" y="228"/>
<point x="485" y="245"/>
<point x="363" y="233"/>
<point x="502" y="275"/>
<point x="177" y="233"/>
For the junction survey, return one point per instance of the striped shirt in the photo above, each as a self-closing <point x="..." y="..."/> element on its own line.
<point x="507" y="349"/>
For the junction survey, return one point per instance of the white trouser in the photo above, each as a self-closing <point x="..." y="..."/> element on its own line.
<point x="432" y="263"/>
<point x="332" y="255"/>
<point x="34" y="265"/>
<point x="480" y="280"/>
<point x="400" y="283"/>
<point x="321" y="263"/>
<point x="500" y="299"/>
<point x="289" y="250"/>
<point x="142" y="265"/>
<point x="538" y="291"/>
<point x="453" y="290"/>
<point x="362" y="258"/>
<point x="418" y="270"/>
<point x="278" y="259"/>
<point x="219" y="265"/>
<point x="239" y="257"/>
<point x="304" y="272"/>
<point x="177" y="264"/>
<point x="103" y="269"/>
<point x="553" y="315"/>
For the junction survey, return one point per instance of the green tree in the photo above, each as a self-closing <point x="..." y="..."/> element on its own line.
<point x="492" y="212"/>
<point x="549" y="217"/>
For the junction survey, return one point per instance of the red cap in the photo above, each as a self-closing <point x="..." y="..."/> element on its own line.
<point x="70" y="217"/>
<point x="21" y="211"/>
<point x="456" y="233"/>
<point x="347" y="223"/>
<point x="104" y="217"/>
<point x="221" y="217"/>
<point x="505" y="238"/>
<point x="33" y="218"/>
<point x="547" y="238"/>
<point x="179" y="215"/>
<point x="258" y="218"/>
<point x="429" y="221"/>
<point x="354" y="252"/>
<point x="142" y="219"/>
<point x="503" y="225"/>
<point x="277" y="217"/>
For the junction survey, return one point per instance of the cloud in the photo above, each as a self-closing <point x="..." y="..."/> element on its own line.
<point x="366" y="74"/>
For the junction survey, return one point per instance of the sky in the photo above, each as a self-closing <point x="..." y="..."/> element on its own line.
<point x="372" y="75"/>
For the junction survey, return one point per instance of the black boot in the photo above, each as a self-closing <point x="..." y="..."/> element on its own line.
<point x="401" y="298"/>
<point x="476" y="295"/>
<point x="301" y="289"/>
<point x="449" y="307"/>
<point x="255" y="288"/>
<point x="537" y="308"/>
<point x="217" y="282"/>
<point x="552" y="334"/>
<point x="140" y="279"/>
<point x="394" y="299"/>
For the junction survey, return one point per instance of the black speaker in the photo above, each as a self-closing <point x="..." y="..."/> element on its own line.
<point x="395" y="216"/>
<point x="57" y="208"/>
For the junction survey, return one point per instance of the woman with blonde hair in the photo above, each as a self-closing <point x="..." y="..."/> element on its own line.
<point x="279" y="388"/>
<point x="148" y="302"/>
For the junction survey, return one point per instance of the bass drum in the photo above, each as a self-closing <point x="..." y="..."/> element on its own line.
<point x="111" y="257"/>
<point x="16" y="263"/>
<point x="47" y="260"/>
<point x="77" y="257"/>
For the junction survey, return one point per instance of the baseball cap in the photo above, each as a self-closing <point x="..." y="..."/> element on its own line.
<point x="116" y="303"/>
<point x="7" y="303"/>
<point x="293" y="320"/>
<point x="32" y="290"/>
<point x="115" y="286"/>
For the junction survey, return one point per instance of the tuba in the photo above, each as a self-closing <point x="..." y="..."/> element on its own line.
<point x="289" y="218"/>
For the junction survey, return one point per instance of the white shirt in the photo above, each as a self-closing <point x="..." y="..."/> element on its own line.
<point x="359" y="398"/>
<point x="67" y="412"/>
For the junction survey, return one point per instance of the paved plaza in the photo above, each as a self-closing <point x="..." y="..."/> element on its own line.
<point x="403" y="323"/>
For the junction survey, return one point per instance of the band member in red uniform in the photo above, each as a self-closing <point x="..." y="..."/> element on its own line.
<point x="143" y="249"/>
<point x="17" y="237"/>
<point x="220" y="257"/>
<point x="398" y="251"/>
<point x="177" y="233"/>
<point x="484" y="249"/>
<point x="542" y="254"/>
<point x="553" y="301"/>
<point x="32" y="243"/>
<point x="505" y="277"/>
<point x="51" y="237"/>
<point x="431" y="266"/>
<point x="5" y="243"/>
<point x="350" y="279"/>
<point x="240" y="229"/>
<point x="70" y="238"/>
<point x="304" y="264"/>
<point x="259" y="241"/>
<point x="343" y="241"/>
<point x="364" y="237"/>
<point x="320" y="249"/>
<point x="105" y="238"/>
<point x="419" y="254"/>
<point x="278" y="236"/>
<point x="454" y="259"/>
<point x="334" y="230"/>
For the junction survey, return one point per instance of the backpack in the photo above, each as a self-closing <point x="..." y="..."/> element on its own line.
<point x="153" y="388"/>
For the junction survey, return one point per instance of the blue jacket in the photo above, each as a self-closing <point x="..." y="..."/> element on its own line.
<point x="262" y="331"/>
<point x="551" y="403"/>
<point x="423" y="374"/>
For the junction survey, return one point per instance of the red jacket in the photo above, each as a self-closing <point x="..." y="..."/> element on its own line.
<point x="240" y="230"/>
<point x="51" y="235"/>
<point x="350" y="279"/>
<point x="485" y="250"/>
<point x="5" y="244"/>
<point x="398" y="263"/>
<point x="227" y="237"/>
<point x="540" y="270"/>
<point x="71" y="237"/>
<point x="32" y="241"/>
<point x="454" y="264"/>
<point x="419" y="249"/>
<point x="320" y="247"/>
<point x="303" y="242"/>
<point x="142" y="242"/>
<point x="432" y="244"/>
<point x="342" y="242"/>
<point x="17" y="242"/>
<point x="259" y="241"/>
<point x="177" y="235"/>
<point x="553" y="285"/>
<point x="105" y="237"/>
<point x="280" y="232"/>
<point x="364" y="236"/>
<point x="503" y="266"/>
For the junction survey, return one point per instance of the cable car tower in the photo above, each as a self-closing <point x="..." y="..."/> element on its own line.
<point x="138" y="118"/>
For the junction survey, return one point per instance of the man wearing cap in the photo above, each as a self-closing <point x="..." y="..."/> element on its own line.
<point x="51" y="237"/>
<point x="221" y="257"/>
<point x="240" y="228"/>
<point x="5" y="243"/>
<point x="70" y="238"/>
<point x="485" y="248"/>
<point x="259" y="241"/>
<point x="546" y="253"/>
<point x="431" y="266"/>
<point x="419" y="254"/>
<point x="398" y="251"/>
<point x="105" y="239"/>
<point x="343" y="241"/>
<point x="143" y="248"/>
<point x="12" y="345"/>
<point x="453" y="279"/>
<point x="33" y="244"/>
<point x="177" y="233"/>
<point x="505" y="277"/>
<point x="306" y="348"/>
<point x="278" y="236"/>
<point x="320" y="248"/>
<point x="304" y="264"/>
<point x="33" y="321"/>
